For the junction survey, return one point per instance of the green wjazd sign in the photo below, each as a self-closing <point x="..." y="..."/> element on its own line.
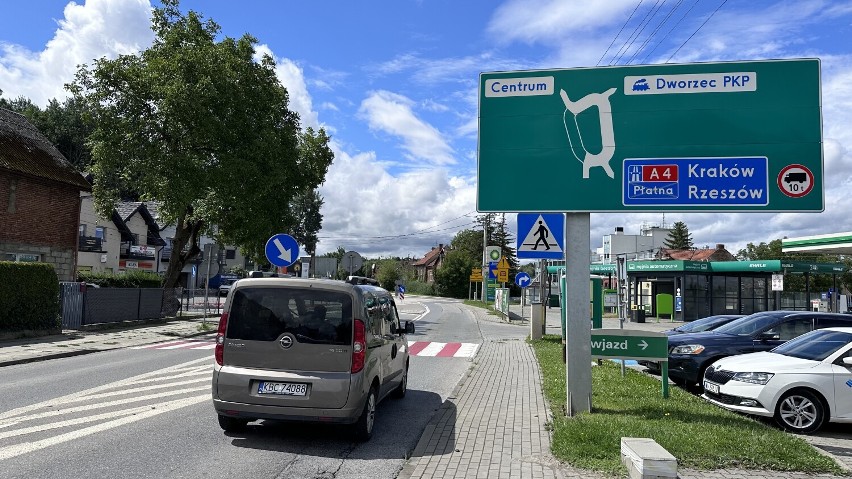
<point x="629" y="344"/>
<point x="735" y="136"/>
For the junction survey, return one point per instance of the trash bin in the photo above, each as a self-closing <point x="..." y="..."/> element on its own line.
<point x="553" y="301"/>
<point x="638" y="315"/>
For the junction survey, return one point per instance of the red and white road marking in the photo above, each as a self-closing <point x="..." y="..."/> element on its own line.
<point x="415" y="348"/>
<point x="442" y="350"/>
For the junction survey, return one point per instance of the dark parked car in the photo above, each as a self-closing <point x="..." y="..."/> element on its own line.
<point x="704" y="324"/>
<point x="691" y="353"/>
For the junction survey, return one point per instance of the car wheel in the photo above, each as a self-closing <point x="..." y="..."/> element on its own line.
<point x="364" y="427"/>
<point x="400" y="390"/>
<point x="800" y="411"/>
<point x="232" y="424"/>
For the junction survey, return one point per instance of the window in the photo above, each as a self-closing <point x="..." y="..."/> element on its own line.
<point x="100" y="233"/>
<point x="82" y="230"/>
<point x="23" y="257"/>
<point x="793" y="328"/>
<point x="312" y="316"/>
<point x="230" y="253"/>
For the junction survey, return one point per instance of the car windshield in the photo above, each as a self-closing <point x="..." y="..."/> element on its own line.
<point x="816" y="345"/>
<point x="748" y="325"/>
<point x="702" y="324"/>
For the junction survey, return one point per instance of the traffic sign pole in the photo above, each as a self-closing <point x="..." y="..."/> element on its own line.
<point x="578" y="372"/>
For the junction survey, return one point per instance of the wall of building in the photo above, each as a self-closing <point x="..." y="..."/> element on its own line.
<point x="641" y="246"/>
<point x="39" y="221"/>
<point x="105" y="261"/>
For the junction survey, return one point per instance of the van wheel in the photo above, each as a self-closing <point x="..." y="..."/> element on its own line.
<point x="400" y="390"/>
<point x="232" y="424"/>
<point x="800" y="411"/>
<point x="363" y="429"/>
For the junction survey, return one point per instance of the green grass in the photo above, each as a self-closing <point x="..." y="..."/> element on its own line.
<point x="206" y="326"/>
<point x="699" y="434"/>
<point x="479" y="304"/>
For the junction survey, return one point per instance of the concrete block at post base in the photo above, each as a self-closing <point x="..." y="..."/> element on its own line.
<point x="646" y="459"/>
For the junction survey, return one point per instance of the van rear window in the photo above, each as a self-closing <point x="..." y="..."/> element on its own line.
<point x="311" y="315"/>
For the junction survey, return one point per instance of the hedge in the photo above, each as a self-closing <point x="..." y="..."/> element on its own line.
<point x="29" y="298"/>
<point x="128" y="279"/>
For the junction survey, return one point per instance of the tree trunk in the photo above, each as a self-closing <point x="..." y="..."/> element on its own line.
<point x="186" y="233"/>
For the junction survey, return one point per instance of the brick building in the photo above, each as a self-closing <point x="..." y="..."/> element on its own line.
<point x="39" y="198"/>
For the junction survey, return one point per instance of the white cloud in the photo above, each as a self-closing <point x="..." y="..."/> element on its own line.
<point x="393" y="114"/>
<point x="551" y="21"/>
<point x="98" y="28"/>
<point x="292" y="77"/>
<point x="370" y="211"/>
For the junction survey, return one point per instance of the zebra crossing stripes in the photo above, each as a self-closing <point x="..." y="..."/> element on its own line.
<point x="207" y="343"/>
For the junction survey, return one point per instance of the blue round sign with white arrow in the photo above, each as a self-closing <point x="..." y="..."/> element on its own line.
<point x="282" y="250"/>
<point x="522" y="279"/>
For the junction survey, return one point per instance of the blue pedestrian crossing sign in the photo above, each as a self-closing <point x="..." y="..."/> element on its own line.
<point x="523" y="279"/>
<point x="282" y="250"/>
<point x="541" y="236"/>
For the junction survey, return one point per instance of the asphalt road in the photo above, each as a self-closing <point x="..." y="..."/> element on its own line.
<point x="146" y="413"/>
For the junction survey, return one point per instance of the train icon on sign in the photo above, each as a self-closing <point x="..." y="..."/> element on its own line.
<point x="641" y="85"/>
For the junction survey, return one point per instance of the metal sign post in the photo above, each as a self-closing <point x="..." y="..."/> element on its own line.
<point x="578" y="372"/>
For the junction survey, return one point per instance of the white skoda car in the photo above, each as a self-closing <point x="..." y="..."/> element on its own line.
<point x="802" y="383"/>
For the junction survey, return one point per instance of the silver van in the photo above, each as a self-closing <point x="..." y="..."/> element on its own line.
<point x="308" y="350"/>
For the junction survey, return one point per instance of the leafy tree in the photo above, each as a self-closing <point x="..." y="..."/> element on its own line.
<point x="201" y="127"/>
<point x="452" y="278"/>
<point x="679" y="237"/>
<point x="503" y="238"/>
<point x="388" y="273"/>
<point x="307" y="205"/>
<point x="470" y="243"/>
<point x="771" y="250"/>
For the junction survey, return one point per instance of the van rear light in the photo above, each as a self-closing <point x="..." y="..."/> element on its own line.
<point x="220" y="339"/>
<point x="359" y="346"/>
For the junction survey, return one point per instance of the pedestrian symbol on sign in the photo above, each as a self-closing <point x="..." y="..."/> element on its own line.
<point x="540" y="236"/>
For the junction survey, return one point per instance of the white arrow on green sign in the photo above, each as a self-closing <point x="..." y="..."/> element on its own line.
<point x="629" y="344"/>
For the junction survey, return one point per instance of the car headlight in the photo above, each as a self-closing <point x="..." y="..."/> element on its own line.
<point x="754" y="378"/>
<point x="688" y="349"/>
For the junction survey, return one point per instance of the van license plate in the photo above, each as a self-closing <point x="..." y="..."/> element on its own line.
<point x="286" y="389"/>
<point x="711" y="387"/>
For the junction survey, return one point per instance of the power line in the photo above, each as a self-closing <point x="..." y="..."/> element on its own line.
<point x="637" y="31"/>
<point x="648" y="56"/>
<point x="696" y="31"/>
<point x="659" y="25"/>
<point x="619" y="32"/>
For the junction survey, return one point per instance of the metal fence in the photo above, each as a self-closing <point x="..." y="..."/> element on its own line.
<point x="82" y="305"/>
<point x="71" y="304"/>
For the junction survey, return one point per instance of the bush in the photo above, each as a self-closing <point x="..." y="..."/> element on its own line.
<point x="419" y="287"/>
<point x="30" y="299"/>
<point x="128" y="279"/>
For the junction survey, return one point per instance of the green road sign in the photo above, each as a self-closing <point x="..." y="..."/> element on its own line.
<point x="735" y="136"/>
<point x="629" y="344"/>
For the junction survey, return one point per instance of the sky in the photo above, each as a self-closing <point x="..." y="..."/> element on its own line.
<point x="395" y="83"/>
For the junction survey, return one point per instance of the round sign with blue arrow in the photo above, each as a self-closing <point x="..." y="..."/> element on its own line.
<point x="282" y="250"/>
<point x="522" y="279"/>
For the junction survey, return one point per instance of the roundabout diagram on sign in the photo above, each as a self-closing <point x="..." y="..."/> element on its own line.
<point x="795" y="181"/>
